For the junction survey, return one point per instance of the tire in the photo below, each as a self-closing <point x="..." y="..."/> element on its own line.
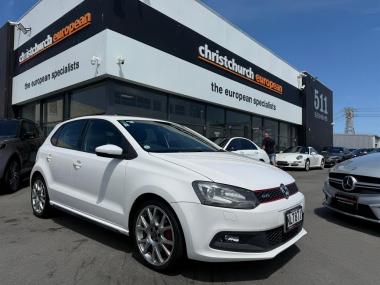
<point x="40" y="198"/>
<point x="307" y="165"/>
<point x="164" y="244"/>
<point x="322" y="164"/>
<point x="12" y="177"/>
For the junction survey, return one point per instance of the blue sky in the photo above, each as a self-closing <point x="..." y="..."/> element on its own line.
<point x="336" y="40"/>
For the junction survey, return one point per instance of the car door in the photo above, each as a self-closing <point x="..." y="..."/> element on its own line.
<point x="100" y="181"/>
<point x="249" y="149"/>
<point x="58" y="156"/>
<point x="314" y="161"/>
<point x="28" y="146"/>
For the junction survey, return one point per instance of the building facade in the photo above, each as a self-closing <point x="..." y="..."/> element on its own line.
<point x="175" y="60"/>
<point x="357" y="141"/>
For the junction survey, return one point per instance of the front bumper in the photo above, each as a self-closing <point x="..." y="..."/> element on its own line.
<point x="368" y="205"/>
<point x="202" y="223"/>
<point x="290" y="164"/>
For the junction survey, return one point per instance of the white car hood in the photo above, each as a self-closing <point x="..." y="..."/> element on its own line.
<point x="288" y="156"/>
<point x="231" y="169"/>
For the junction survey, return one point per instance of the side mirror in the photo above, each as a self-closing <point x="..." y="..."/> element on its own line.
<point x="110" y="151"/>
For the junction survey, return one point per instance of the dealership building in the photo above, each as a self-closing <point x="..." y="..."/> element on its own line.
<point x="175" y="60"/>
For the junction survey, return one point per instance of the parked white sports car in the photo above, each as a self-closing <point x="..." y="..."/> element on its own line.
<point x="244" y="147"/>
<point x="300" y="157"/>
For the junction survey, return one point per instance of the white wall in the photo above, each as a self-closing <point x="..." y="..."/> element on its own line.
<point x="355" y="141"/>
<point x="41" y="16"/>
<point x="195" y="15"/>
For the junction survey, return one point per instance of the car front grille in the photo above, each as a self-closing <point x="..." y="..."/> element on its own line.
<point x="365" y="185"/>
<point x="282" y="163"/>
<point x="270" y="195"/>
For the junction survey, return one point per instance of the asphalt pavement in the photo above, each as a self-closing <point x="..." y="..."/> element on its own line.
<point x="68" y="250"/>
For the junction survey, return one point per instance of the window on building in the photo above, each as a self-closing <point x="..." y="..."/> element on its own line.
<point x="31" y="112"/>
<point x="257" y="130"/>
<point x="52" y="114"/>
<point x="187" y="113"/>
<point x="215" y="122"/>
<point x="135" y="101"/>
<point x="88" y="101"/>
<point x="285" y="136"/>
<point x="238" y="124"/>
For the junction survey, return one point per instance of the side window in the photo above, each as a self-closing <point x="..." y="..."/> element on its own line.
<point x="100" y="132"/>
<point x="234" y="145"/>
<point x="247" y="145"/>
<point x="70" y="135"/>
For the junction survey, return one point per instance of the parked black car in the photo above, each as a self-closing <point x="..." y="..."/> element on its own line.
<point x="361" y="151"/>
<point x="334" y="155"/>
<point x="19" y="142"/>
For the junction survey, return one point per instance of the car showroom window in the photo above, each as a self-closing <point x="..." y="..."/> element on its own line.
<point x="165" y="137"/>
<point x="70" y="136"/>
<point x="235" y="144"/>
<point x="101" y="132"/>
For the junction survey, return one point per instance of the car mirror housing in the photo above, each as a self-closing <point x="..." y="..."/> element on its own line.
<point x="110" y="151"/>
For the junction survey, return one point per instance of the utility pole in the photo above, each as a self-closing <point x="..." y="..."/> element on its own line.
<point x="349" y="114"/>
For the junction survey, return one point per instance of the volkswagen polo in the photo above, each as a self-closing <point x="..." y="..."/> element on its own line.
<point x="173" y="191"/>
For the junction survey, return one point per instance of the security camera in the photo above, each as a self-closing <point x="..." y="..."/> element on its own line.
<point x="120" y="60"/>
<point x="21" y="27"/>
<point x="95" y="60"/>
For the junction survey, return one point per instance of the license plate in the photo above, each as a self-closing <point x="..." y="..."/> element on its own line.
<point x="347" y="201"/>
<point x="293" y="218"/>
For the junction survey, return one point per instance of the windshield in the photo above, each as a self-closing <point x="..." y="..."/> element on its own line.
<point x="334" y="149"/>
<point x="9" y="129"/>
<point x="166" y="137"/>
<point x="297" y="149"/>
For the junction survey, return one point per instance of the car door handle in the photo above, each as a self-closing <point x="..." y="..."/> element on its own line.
<point x="49" y="158"/>
<point x="77" y="164"/>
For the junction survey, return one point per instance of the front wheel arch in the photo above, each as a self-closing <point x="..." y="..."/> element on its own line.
<point x="146" y="197"/>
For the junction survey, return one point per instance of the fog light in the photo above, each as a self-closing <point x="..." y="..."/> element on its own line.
<point x="230" y="238"/>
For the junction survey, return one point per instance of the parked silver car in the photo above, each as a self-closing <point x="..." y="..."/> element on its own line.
<point x="353" y="188"/>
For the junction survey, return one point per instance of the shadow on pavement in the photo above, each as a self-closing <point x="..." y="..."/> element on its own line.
<point x="348" y="222"/>
<point x="93" y="231"/>
<point x="237" y="271"/>
<point x="195" y="270"/>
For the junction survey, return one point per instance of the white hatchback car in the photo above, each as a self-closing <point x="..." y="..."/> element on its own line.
<point x="173" y="191"/>
<point x="244" y="147"/>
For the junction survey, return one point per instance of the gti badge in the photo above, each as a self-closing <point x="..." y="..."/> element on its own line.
<point x="349" y="183"/>
<point x="285" y="191"/>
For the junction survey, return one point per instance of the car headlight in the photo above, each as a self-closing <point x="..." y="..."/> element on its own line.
<point x="299" y="157"/>
<point x="226" y="196"/>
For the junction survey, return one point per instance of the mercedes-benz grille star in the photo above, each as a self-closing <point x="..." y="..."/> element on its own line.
<point x="173" y="191"/>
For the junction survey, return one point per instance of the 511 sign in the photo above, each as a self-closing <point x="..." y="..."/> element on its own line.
<point x="320" y="106"/>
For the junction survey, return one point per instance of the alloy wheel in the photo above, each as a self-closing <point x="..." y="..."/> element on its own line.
<point x="154" y="235"/>
<point x="38" y="196"/>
